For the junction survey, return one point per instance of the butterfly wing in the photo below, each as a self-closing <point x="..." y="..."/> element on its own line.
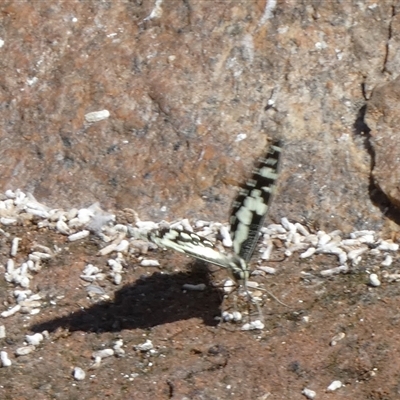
<point x="251" y="205"/>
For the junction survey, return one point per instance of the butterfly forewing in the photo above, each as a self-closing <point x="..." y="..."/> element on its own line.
<point x="252" y="203"/>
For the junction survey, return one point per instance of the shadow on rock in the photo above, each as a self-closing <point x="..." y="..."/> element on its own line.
<point x="151" y="301"/>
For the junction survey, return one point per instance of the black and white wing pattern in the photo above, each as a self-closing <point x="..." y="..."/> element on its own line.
<point x="251" y="205"/>
<point x="247" y="218"/>
<point x="199" y="247"/>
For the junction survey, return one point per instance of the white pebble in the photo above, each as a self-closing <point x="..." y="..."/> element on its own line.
<point x="374" y="280"/>
<point x="8" y="221"/>
<point x="123" y="246"/>
<point x="274" y="229"/>
<point x="117" y="278"/>
<point x="288" y="225"/>
<point x="78" y="235"/>
<point x="388" y="245"/>
<point x="353" y="254"/>
<point x="11" y="311"/>
<point x="2" y="331"/>
<point x="310" y="394"/>
<point x="96" y="116"/>
<point x="35" y="339"/>
<point x="115" y="265"/>
<point x="41" y="256"/>
<point x="149" y="263"/>
<point x="369" y="239"/>
<point x="237" y="316"/>
<point x="337" y="338"/>
<point x="186" y="225"/>
<point x="5" y="361"/>
<point x="387" y="262"/>
<point x="301" y="229"/>
<point x="63" y="228"/>
<point x="357" y="234"/>
<point x="10" y="266"/>
<point x="78" y="374"/>
<point x="14" y="246"/>
<point x="196" y="288"/>
<point x="23" y="351"/>
<point x="266" y="255"/>
<point x="335" y="270"/>
<point x="226" y="237"/>
<point x="229" y="286"/>
<point x="227" y="316"/>
<point x="108" y="249"/>
<point x="10" y="194"/>
<point x="268" y="270"/>
<point x="103" y="353"/>
<point x="334" y="385"/>
<point x="146" y="346"/>
<point x="253" y="325"/>
<point x="308" y="253"/>
<point x="323" y="238"/>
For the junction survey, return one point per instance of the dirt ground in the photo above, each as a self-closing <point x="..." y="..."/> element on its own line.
<point x="192" y="356"/>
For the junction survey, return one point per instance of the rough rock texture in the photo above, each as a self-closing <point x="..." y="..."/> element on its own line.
<point x="193" y="90"/>
<point x="383" y="118"/>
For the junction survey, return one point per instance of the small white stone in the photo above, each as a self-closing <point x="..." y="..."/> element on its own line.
<point x="388" y="245"/>
<point x="323" y="239"/>
<point x="229" y="286"/>
<point x="78" y="235"/>
<point x="23" y="351"/>
<point x="387" y="262"/>
<point x="237" y="316"/>
<point x="11" y="311"/>
<point x="288" y="225"/>
<point x="146" y="346"/>
<point x="337" y="338"/>
<point x="310" y="394"/>
<point x="5" y="361"/>
<point x="2" y="331"/>
<point x="103" y="353"/>
<point x="253" y="325"/>
<point x="308" y="253"/>
<point x="301" y="229"/>
<point x="226" y="237"/>
<point x="8" y="221"/>
<point x="96" y="116"/>
<point x="35" y="339"/>
<point x="266" y="255"/>
<point x="334" y="386"/>
<point x="14" y="246"/>
<point x="357" y="234"/>
<point x="63" y="228"/>
<point x="149" y="263"/>
<point x="353" y="254"/>
<point x="78" y="374"/>
<point x="374" y="280"/>
<point x="267" y="270"/>
<point x="108" y="249"/>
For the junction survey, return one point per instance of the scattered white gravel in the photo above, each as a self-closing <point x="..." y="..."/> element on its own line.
<point x="126" y="240"/>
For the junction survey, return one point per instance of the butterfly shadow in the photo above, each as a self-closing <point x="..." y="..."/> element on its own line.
<point x="154" y="300"/>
